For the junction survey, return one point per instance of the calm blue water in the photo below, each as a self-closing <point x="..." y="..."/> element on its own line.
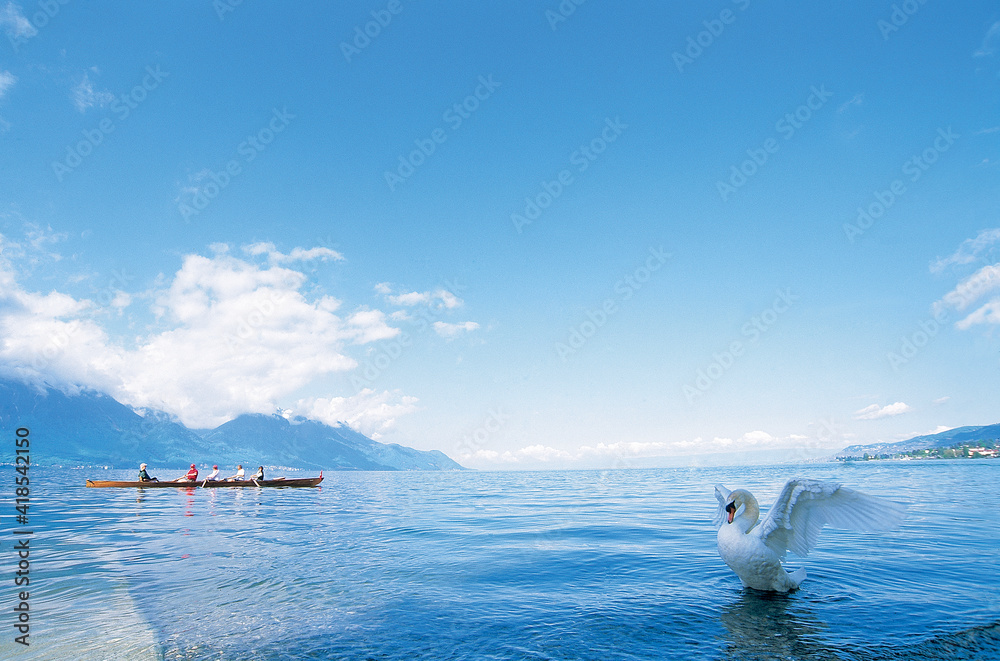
<point x="549" y="565"/>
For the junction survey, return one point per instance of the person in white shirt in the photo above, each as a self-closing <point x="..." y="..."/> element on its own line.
<point x="214" y="475"/>
<point x="240" y="474"/>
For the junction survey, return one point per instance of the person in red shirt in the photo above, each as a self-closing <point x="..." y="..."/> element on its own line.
<point x="190" y="476"/>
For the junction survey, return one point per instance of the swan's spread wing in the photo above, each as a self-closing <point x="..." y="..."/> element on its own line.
<point x="722" y="493"/>
<point x="804" y="506"/>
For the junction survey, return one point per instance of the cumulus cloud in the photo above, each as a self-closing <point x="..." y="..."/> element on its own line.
<point x="48" y="334"/>
<point x="876" y="412"/>
<point x="230" y="337"/>
<point x="84" y="95"/>
<point x="370" y="412"/>
<point x="448" y="330"/>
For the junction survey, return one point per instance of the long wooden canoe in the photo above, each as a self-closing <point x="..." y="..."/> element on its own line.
<point x="280" y="482"/>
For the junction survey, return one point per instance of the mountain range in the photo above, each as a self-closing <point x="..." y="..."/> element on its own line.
<point x="956" y="436"/>
<point x="91" y="428"/>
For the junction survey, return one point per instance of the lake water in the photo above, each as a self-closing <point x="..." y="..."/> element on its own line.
<point x="540" y="565"/>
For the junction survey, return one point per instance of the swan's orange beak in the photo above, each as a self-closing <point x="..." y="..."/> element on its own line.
<point x="731" y="511"/>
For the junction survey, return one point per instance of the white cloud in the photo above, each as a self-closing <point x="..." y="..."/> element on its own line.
<point x="84" y="95"/>
<point x="412" y="298"/>
<point x="369" y="326"/>
<point x="231" y="337"/>
<point x="986" y="314"/>
<point x="369" y="412"/>
<point x="7" y="80"/>
<point x="985" y="281"/>
<point x="448" y="330"/>
<point x="441" y="297"/>
<point x="622" y="448"/>
<point x="856" y="100"/>
<point x="969" y="251"/>
<point x="297" y="254"/>
<point x="542" y="453"/>
<point x="34" y="250"/>
<point x="623" y="452"/>
<point x="940" y="400"/>
<point x="876" y="412"/>
<point x="537" y="453"/>
<point x="15" y="24"/>
<point x="758" y="438"/>
<point x="121" y="300"/>
<point x="989" y="41"/>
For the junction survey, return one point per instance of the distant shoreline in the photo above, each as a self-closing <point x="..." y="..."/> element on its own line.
<point x="986" y="451"/>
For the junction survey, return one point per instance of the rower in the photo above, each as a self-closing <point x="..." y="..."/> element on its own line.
<point x="144" y="476"/>
<point x="214" y="474"/>
<point x="190" y="476"/>
<point x="240" y="475"/>
<point x="259" y="475"/>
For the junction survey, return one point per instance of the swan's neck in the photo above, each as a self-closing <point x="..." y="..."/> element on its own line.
<point x="746" y="519"/>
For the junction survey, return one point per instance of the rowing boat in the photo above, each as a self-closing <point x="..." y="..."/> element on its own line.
<point x="279" y="482"/>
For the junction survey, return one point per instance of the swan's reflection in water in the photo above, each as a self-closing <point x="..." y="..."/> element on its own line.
<point x="762" y="626"/>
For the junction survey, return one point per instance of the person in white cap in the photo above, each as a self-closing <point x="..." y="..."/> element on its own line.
<point x="144" y="476"/>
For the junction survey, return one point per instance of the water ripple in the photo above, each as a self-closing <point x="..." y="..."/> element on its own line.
<point x="570" y="565"/>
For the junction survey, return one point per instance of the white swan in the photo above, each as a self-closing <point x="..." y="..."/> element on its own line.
<point x="794" y="522"/>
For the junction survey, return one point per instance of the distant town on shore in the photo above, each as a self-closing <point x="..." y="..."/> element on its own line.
<point x="970" y="442"/>
<point x="987" y="450"/>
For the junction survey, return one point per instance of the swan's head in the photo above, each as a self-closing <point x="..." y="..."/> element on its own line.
<point x="743" y="509"/>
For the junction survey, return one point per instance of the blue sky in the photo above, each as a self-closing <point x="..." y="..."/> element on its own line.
<point x="525" y="241"/>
